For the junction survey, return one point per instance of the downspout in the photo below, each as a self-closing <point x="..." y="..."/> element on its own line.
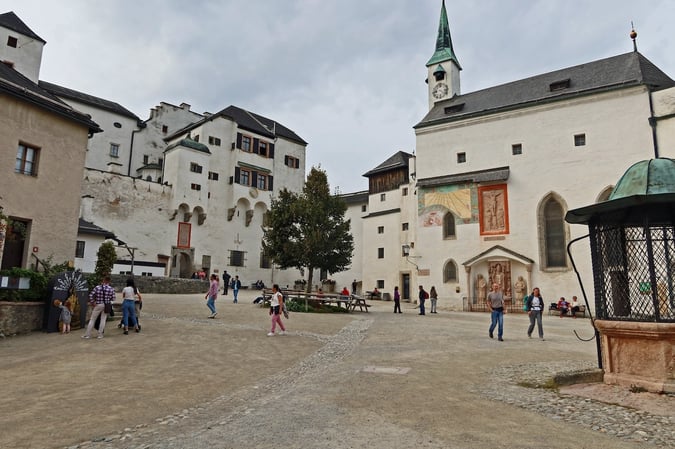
<point x="652" y="123"/>
<point x="131" y="150"/>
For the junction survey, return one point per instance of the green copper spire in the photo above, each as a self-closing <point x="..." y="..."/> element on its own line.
<point x="444" y="51"/>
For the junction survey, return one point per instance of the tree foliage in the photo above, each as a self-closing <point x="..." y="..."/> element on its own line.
<point x="106" y="258"/>
<point x="308" y="230"/>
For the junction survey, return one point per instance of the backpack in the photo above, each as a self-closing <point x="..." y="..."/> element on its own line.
<point x="525" y="308"/>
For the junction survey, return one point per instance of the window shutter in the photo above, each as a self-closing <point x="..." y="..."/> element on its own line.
<point x="236" y="175"/>
<point x="254" y="179"/>
<point x="271" y="151"/>
<point x="256" y="144"/>
<point x="270" y="183"/>
<point x="239" y="140"/>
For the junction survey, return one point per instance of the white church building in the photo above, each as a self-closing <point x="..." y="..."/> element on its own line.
<point x="484" y="198"/>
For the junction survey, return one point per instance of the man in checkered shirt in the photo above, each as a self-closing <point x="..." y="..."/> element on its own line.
<point x="98" y="298"/>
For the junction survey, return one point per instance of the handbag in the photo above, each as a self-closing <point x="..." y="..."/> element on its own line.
<point x="108" y="308"/>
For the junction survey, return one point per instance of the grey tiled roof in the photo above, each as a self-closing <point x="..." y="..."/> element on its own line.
<point x="86" y="227"/>
<point x="250" y="121"/>
<point x="189" y="143"/>
<point x="398" y="160"/>
<point x="617" y="72"/>
<point x="15" y="84"/>
<point x="11" y="21"/>
<point x="489" y="175"/>
<point x="355" y="197"/>
<point x="111" y="106"/>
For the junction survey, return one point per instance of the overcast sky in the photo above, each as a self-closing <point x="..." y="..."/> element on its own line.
<point x="346" y="75"/>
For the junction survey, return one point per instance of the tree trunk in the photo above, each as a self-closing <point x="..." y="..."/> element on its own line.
<point x="310" y="278"/>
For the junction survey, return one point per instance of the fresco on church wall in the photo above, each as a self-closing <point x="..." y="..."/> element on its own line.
<point x="435" y="202"/>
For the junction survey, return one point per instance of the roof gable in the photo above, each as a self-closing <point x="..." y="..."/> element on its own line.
<point x="255" y="123"/>
<point x="398" y="160"/>
<point x="12" y="22"/>
<point x="617" y="72"/>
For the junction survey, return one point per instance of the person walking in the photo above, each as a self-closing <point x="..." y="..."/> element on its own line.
<point x="236" y="285"/>
<point x="130" y="295"/>
<point x="212" y="295"/>
<point x="226" y="281"/>
<point x="276" y="307"/>
<point x="433" y="295"/>
<point x="101" y="298"/>
<point x="397" y="300"/>
<point x="535" y="309"/>
<point x="423" y="295"/>
<point x="495" y="302"/>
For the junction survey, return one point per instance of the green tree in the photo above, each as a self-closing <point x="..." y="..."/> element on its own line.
<point x="309" y="230"/>
<point x="106" y="258"/>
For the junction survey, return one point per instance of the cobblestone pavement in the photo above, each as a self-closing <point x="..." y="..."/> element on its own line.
<point x="376" y="380"/>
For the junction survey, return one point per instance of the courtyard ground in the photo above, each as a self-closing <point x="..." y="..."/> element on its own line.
<point x="376" y="380"/>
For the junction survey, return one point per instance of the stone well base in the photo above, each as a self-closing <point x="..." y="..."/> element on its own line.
<point x="638" y="354"/>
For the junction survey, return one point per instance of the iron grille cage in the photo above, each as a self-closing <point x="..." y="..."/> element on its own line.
<point x="633" y="266"/>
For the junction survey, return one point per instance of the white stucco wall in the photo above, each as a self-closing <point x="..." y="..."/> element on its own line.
<point x="26" y="56"/>
<point x="617" y="135"/>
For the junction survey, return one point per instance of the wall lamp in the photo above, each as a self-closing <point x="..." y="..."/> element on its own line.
<point x="405" y="249"/>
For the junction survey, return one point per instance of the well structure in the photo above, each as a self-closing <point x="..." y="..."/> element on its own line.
<point x="632" y="237"/>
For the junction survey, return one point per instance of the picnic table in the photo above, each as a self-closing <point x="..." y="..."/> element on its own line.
<point x="350" y="302"/>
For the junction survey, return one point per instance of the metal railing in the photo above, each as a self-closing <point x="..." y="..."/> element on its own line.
<point x="473" y="304"/>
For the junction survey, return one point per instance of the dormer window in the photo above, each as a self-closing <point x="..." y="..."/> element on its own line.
<point x="454" y="108"/>
<point x="559" y="85"/>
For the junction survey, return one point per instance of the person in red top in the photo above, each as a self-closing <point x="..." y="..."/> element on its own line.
<point x="563" y="306"/>
<point x="344" y="291"/>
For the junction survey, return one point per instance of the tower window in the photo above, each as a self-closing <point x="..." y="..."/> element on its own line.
<point x="579" y="140"/>
<point x="516" y="149"/>
<point x="12" y="41"/>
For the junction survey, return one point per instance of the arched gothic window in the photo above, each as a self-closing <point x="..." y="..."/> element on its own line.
<point x="554" y="234"/>
<point x="449" y="226"/>
<point x="450" y="271"/>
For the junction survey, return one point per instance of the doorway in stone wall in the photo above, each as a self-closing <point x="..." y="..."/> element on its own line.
<point x="405" y="286"/>
<point x="15" y="244"/>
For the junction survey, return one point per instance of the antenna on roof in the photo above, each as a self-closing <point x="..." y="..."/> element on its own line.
<point x="633" y="35"/>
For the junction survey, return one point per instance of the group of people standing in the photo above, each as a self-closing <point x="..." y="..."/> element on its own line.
<point x="101" y="299"/>
<point x="422" y="297"/>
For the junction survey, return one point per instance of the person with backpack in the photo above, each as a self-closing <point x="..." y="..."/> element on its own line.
<point x="535" y="309"/>
<point x="423" y="295"/>
<point x="276" y="308"/>
<point x="226" y="281"/>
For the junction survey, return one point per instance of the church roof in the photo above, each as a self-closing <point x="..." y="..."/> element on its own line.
<point x="15" y="84"/>
<point x="12" y="22"/>
<point x="398" y="160"/>
<point x="101" y="103"/>
<point x="250" y="121"/>
<point x="617" y="72"/>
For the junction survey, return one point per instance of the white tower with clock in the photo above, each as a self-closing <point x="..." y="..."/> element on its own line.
<point x="443" y="67"/>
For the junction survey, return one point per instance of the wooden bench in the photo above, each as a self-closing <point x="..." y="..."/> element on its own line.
<point x="553" y="309"/>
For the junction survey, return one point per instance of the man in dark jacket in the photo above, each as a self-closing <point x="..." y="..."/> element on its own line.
<point x="226" y="281"/>
<point x="422" y="297"/>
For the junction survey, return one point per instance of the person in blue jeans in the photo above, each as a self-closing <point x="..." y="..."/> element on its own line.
<point x="422" y="297"/>
<point x="236" y="285"/>
<point x="495" y="301"/>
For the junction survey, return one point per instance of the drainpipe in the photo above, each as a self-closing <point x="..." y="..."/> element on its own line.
<point x="652" y="124"/>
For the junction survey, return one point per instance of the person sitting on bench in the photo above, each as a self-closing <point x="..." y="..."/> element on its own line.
<point x="563" y="306"/>
<point x="575" y="306"/>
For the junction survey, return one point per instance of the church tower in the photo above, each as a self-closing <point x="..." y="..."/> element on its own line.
<point x="443" y="67"/>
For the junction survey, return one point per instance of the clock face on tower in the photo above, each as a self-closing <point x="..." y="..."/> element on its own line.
<point x="440" y="90"/>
